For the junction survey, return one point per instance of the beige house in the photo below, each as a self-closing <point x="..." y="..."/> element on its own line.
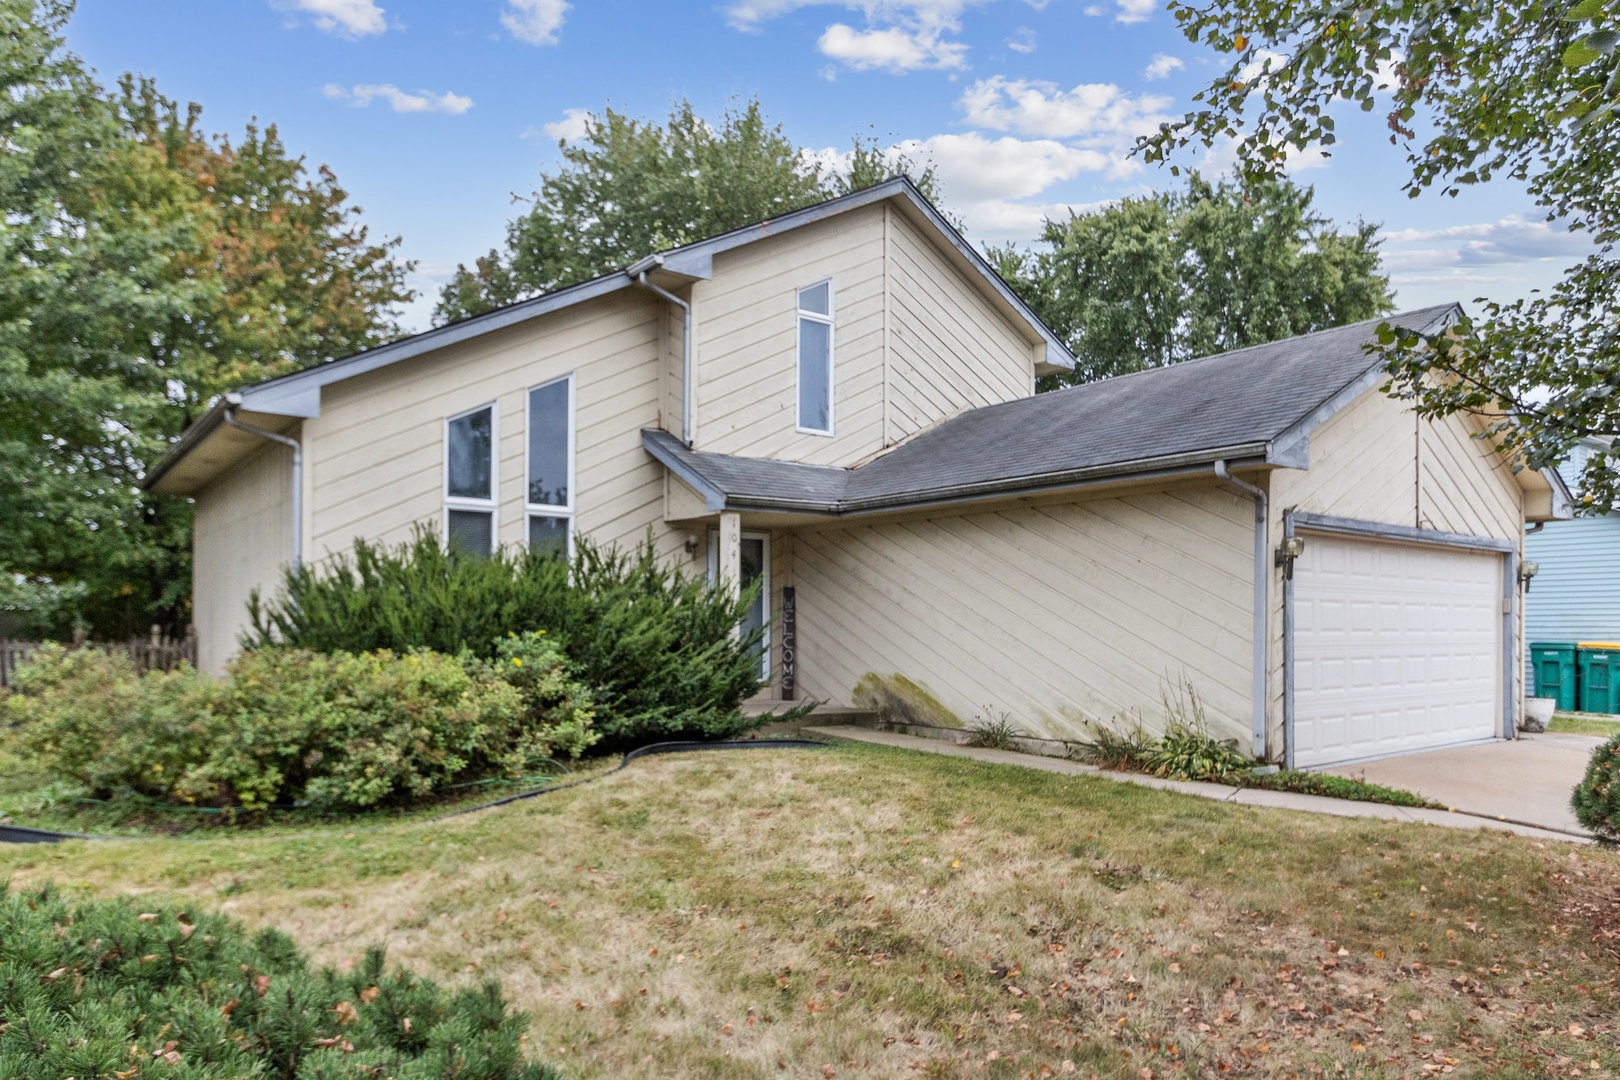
<point x="840" y="403"/>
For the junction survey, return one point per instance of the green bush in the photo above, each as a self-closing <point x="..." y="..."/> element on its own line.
<point x="655" y="644"/>
<point x="103" y="989"/>
<point x="1597" y="797"/>
<point x="337" y="731"/>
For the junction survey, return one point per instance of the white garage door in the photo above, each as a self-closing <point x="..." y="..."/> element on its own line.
<point x="1397" y="647"/>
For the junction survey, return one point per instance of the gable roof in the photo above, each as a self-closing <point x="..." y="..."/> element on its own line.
<point x="1250" y="406"/>
<point x="298" y="393"/>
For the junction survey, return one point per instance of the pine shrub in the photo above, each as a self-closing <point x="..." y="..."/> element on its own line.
<point x="1596" y="800"/>
<point x="655" y="644"/>
<point x="104" y="989"/>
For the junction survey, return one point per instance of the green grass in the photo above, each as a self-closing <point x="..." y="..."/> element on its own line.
<point x="1585" y="724"/>
<point x="865" y="911"/>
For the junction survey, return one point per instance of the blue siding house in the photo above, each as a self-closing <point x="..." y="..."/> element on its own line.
<point x="1576" y="594"/>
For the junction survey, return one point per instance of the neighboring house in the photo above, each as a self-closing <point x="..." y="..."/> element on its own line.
<point x="840" y="402"/>
<point x="1575" y="595"/>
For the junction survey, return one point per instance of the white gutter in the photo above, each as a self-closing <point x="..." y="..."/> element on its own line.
<point x="1261" y="575"/>
<point x="638" y="274"/>
<point x="233" y="400"/>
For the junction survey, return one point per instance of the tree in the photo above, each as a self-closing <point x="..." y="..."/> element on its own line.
<point x="1175" y="275"/>
<point x="629" y="187"/>
<point x="144" y="268"/>
<point x="1527" y="91"/>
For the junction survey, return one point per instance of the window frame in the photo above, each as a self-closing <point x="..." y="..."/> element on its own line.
<point x="713" y="560"/>
<point x="490" y="505"/>
<point x="531" y="509"/>
<point x="827" y="320"/>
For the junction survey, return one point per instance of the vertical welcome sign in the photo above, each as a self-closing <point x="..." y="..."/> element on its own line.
<point x="790" y="641"/>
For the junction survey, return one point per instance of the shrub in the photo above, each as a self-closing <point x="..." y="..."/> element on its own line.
<point x="654" y="643"/>
<point x="1186" y="749"/>
<point x="86" y="715"/>
<point x="1596" y="800"/>
<point x="1109" y="748"/>
<point x="101" y="989"/>
<point x="338" y="731"/>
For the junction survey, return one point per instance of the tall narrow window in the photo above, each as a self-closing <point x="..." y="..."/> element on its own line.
<point x="816" y="358"/>
<point x="469" y="481"/>
<point x="550" y="496"/>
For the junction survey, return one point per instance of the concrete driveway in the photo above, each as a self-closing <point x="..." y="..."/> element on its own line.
<point x="1528" y="780"/>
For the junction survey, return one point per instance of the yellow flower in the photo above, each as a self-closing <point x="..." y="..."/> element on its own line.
<point x="518" y="660"/>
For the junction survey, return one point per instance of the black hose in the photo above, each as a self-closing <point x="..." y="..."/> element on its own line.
<point x="22" y="834"/>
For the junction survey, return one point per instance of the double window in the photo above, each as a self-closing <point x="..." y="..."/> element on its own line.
<point x="816" y="358"/>
<point x="470" y="495"/>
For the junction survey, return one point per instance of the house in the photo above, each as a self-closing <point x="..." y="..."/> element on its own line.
<point x="840" y="403"/>
<point x="1575" y="595"/>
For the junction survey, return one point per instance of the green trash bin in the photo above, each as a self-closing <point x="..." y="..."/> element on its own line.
<point x="1599" y="666"/>
<point x="1554" y="665"/>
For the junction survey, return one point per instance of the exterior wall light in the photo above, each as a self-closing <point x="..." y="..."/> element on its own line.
<point x="1528" y="569"/>
<point x="1287" y="551"/>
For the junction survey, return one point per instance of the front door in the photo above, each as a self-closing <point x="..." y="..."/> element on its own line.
<point x="756" y="567"/>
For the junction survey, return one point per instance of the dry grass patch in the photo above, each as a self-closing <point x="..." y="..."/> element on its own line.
<point x="863" y="911"/>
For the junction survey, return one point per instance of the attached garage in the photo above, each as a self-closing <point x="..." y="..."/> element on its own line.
<point x="1399" y="645"/>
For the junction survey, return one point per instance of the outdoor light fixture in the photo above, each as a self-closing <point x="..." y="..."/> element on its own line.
<point x="1287" y="551"/>
<point x="691" y="544"/>
<point x="1528" y="569"/>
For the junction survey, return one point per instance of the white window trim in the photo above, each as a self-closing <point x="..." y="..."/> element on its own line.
<point x="462" y="502"/>
<point x="765" y="593"/>
<point x="541" y="509"/>
<point x="798" y="359"/>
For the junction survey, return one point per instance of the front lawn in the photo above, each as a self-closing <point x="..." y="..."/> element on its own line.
<point x="865" y="911"/>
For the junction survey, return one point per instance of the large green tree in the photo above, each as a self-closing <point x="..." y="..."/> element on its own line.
<point x="628" y="187"/>
<point x="1473" y="90"/>
<point x="1175" y="275"/>
<point x="143" y="268"/>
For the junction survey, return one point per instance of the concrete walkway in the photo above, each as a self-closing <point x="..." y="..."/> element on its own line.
<point x="1283" y="800"/>
<point x="1528" y="779"/>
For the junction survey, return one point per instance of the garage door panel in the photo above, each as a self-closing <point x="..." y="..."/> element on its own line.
<point x="1397" y="647"/>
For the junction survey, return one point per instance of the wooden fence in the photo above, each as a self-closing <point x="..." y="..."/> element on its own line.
<point x="156" y="653"/>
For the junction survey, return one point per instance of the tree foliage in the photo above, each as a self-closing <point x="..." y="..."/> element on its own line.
<point x="629" y="187"/>
<point x="1175" y="275"/>
<point x="1473" y="90"/>
<point x="144" y="267"/>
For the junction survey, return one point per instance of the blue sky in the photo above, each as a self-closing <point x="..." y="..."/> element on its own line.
<point x="433" y="112"/>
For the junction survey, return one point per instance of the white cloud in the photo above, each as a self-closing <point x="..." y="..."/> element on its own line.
<point x="994" y="184"/>
<point x="899" y="35"/>
<point x="1098" y="111"/>
<point x="347" y="18"/>
<point x="1264" y="60"/>
<point x="1135" y="11"/>
<point x="1095" y="10"/>
<point x="1022" y="40"/>
<point x="1161" y="66"/>
<point x="1513" y="239"/>
<point x="570" y="127"/>
<point x="424" y="101"/>
<point x="893" y="49"/>
<point x="535" y="21"/>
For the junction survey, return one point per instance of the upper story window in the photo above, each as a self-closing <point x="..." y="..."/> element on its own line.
<point x="469" y="481"/>
<point x="816" y="358"/>
<point x="549" y="499"/>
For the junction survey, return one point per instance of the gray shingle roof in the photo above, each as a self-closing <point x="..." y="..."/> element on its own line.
<point x="1241" y="405"/>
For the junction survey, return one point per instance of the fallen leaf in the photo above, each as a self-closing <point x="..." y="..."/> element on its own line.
<point x="346" y="1013"/>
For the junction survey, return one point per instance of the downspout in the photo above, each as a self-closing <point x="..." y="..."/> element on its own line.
<point x="233" y="400"/>
<point x="1261" y="575"/>
<point x="640" y="278"/>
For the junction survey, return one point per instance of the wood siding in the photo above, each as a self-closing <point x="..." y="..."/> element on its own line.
<point x="241" y="540"/>
<point x="950" y="348"/>
<point x="377" y="450"/>
<point x="1376" y="460"/>
<point x="1055" y="613"/>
